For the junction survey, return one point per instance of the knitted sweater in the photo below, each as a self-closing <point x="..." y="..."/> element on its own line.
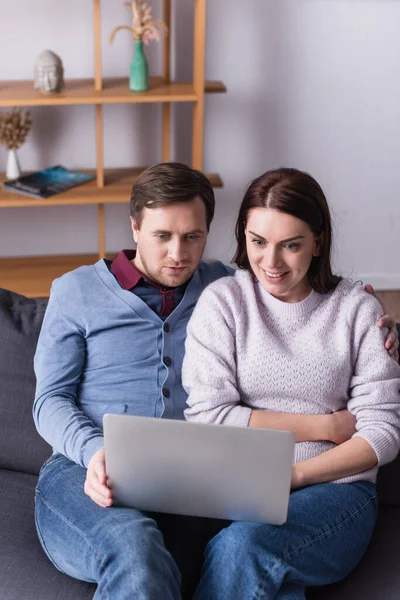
<point x="245" y="350"/>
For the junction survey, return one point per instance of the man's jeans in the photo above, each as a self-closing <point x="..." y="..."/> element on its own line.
<point x="130" y="554"/>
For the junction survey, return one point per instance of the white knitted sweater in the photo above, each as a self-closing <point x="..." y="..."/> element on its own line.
<point x="246" y="349"/>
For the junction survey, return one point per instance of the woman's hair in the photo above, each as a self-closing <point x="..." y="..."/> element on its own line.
<point x="298" y="194"/>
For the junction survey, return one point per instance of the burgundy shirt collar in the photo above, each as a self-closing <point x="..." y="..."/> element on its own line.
<point x="127" y="275"/>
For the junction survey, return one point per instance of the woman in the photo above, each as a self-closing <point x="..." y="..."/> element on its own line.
<point x="287" y="335"/>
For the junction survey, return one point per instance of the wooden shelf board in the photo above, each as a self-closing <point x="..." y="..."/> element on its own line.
<point x="214" y="87"/>
<point x="115" y="91"/>
<point x="32" y="276"/>
<point x="117" y="190"/>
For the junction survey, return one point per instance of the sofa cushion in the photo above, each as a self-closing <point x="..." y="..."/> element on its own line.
<point x="388" y="483"/>
<point x="25" y="571"/>
<point x="21" y="447"/>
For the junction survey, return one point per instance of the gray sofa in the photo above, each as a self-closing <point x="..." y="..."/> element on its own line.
<point x="25" y="571"/>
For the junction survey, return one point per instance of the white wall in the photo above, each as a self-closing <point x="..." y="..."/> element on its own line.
<point x="313" y="84"/>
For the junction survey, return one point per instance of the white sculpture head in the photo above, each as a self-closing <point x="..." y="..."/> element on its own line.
<point x="49" y="73"/>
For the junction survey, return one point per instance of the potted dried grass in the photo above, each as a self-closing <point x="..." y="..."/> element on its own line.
<point x="14" y="127"/>
<point x="144" y="28"/>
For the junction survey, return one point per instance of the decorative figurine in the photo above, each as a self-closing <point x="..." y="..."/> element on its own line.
<point x="49" y="73"/>
<point x="14" y="127"/>
<point x="143" y="29"/>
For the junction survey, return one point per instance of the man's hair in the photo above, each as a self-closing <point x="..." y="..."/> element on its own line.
<point x="298" y="194"/>
<point x="169" y="183"/>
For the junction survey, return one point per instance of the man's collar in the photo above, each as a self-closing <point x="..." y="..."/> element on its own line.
<point x="127" y="274"/>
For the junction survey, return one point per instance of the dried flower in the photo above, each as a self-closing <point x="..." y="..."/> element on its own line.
<point x="144" y="28"/>
<point x="14" y="127"/>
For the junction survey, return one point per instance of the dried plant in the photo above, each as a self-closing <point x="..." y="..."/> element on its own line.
<point x="144" y="28"/>
<point x="14" y="127"/>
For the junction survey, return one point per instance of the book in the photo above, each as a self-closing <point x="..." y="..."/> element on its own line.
<point x="46" y="183"/>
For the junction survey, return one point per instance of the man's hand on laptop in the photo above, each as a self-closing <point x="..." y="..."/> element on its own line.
<point x="96" y="480"/>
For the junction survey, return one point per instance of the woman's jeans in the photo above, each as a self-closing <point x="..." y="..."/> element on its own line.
<point x="131" y="554"/>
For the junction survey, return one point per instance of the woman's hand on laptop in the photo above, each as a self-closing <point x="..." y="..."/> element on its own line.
<point x="96" y="480"/>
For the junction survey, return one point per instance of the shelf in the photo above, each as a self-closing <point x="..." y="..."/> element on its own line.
<point x="214" y="87"/>
<point x="117" y="190"/>
<point x="32" y="276"/>
<point x="115" y="91"/>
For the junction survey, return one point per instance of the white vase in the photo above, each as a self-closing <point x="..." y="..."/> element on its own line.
<point x="13" y="168"/>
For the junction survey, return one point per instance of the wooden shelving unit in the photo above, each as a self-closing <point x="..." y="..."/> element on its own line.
<point x="32" y="276"/>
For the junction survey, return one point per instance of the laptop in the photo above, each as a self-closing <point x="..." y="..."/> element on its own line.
<point x="219" y="471"/>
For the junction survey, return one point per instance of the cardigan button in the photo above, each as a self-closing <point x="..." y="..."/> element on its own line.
<point x="167" y="361"/>
<point x="166" y="392"/>
<point x="166" y="327"/>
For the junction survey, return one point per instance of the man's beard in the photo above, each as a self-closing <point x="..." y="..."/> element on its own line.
<point x="163" y="279"/>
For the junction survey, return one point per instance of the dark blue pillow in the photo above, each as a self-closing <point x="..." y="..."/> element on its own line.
<point x="21" y="447"/>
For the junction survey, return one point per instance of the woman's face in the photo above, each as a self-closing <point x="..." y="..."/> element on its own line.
<point x="280" y="249"/>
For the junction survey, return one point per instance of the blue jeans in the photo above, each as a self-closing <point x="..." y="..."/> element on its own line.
<point x="131" y="554"/>
<point x="128" y="553"/>
<point x="328" y="529"/>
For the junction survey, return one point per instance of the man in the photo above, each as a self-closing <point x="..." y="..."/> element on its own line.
<point x="113" y="341"/>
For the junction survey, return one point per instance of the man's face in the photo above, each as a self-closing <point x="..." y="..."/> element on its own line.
<point x="171" y="241"/>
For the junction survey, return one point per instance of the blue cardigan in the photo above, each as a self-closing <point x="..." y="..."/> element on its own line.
<point x="103" y="350"/>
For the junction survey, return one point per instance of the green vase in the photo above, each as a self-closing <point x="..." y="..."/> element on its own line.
<point x="139" y="77"/>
